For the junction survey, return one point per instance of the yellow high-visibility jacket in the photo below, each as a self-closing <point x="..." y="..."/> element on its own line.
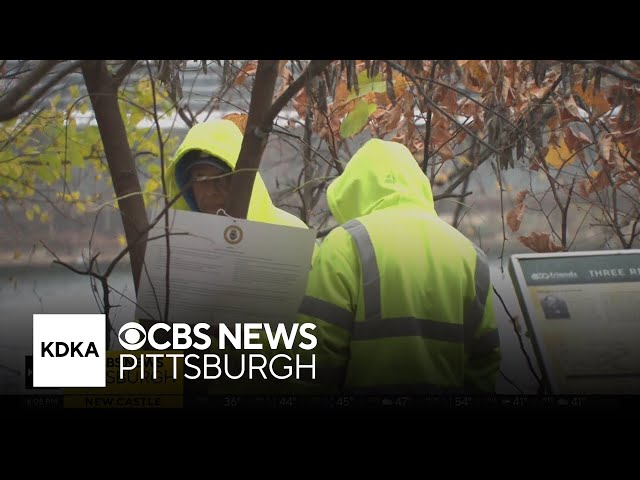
<point x="401" y="300"/>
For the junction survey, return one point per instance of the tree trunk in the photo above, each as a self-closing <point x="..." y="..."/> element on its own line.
<point x="103" y="90"/>
<point x="255" y="139"/>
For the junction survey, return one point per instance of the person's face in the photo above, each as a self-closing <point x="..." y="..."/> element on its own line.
<point x="211" y="194"/>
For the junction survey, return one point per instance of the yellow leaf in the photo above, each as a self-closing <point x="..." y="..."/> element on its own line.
<point x="151" y="185"/>
<point x="80" y="207"/>
<point x="122" y="241"/>
<point x="67" y="197"/>
<point x="44" y="217"/>
<point x="400" y="84"/>
<point x="465" y="160"/>
<point x="29" y="215"/>
<point x="36" y="208"/>
<point x="559" y="154"/>
<point x="597" y="101"/>
<point x="74" y="90"/>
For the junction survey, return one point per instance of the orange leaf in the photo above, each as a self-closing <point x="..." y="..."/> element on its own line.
<point x="540" y="242"/>
<point x="478" y="73"/>
<point x="287" y="79"/>
<point x="514" y="217"/>
<point x="248" y="69"/>
<point x="240" y="119"/>
<point x="300" y="102"/>
<point x="400" y="84"/>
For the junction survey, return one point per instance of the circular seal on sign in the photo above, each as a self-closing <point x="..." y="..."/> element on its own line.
<point x="233" y="234"/>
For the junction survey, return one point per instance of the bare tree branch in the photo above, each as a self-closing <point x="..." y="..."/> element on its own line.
<point x="26" y="84"/>
<point x="124" y="70"/>
<point x="608" y="70"/>
<point x="17" y="109"/>
<point x="314" y="68"/>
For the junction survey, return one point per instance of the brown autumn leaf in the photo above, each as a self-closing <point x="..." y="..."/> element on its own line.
<point x="617" y="159"/>
<point x="406" y="101"/>
<point x="240" y="119"/>
<point x="446" y="98"/>
<point x="300" y="102"/>
<point x="540" y="242"/>
<point x="539" y="92"/>
<point x="575" y="140"/>
<point x="599" y="180"/>
<point x="477" y="74"/>
<point x="514" y="217"/>
<point x="445" y="152"/>
<point x="281" y="67"/>
<point x="506" y="90"/>
<point x="554" y="123"/>
<point x="604" y="147"/>
<point x="399" y="138"/>
<point x="342" y="92"/>
<point x="287" y="79"/>
<point x="569" y="110"/>
<point x="627" y="176"/>
<point x="412" y="131"/>
<point x="248" y="69"/>
<point x="630" y="139"/>
<point x="469" y="108"/>
<point x="416" y="146"/>
<point x="439" y="134"/>
<point x="400" y="84"/>
<point x="440" y="179"/>
<point x="391" y="119"/>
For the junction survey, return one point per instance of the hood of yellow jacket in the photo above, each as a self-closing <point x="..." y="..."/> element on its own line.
<point x="223" y="140"/>
<point x="380" y="175"/>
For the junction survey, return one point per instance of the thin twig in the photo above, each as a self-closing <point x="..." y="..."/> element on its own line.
<point x="524" y="351"/>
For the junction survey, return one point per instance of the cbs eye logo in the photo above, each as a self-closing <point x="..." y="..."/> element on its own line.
<point x="132" y="336"/>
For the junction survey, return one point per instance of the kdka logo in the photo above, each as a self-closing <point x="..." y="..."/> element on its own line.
<point x="69" y="350"/>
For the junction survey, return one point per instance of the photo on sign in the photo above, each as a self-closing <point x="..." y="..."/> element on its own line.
<point x="554" y="307"/>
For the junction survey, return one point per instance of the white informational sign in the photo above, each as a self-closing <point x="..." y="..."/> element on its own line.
<point x="582" y="311"/>
<point x="224" y="270"/>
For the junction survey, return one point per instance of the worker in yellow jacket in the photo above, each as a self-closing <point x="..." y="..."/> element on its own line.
<point x="401" y="300"/>
<point x="211" y="149"/>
